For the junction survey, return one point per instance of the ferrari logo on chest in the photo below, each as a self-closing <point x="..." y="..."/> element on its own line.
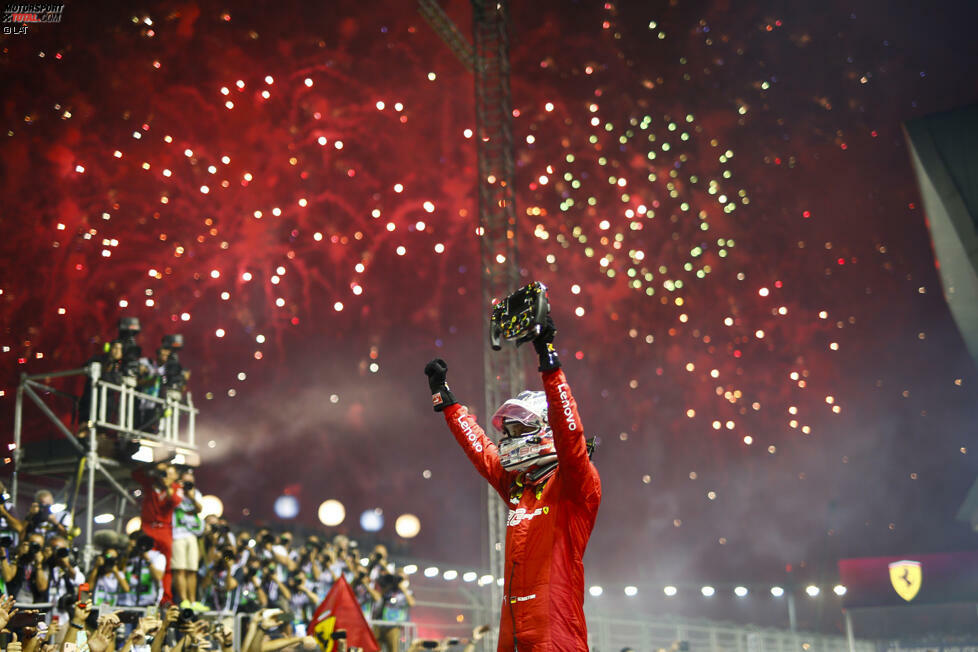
<point x="906" y="577"/>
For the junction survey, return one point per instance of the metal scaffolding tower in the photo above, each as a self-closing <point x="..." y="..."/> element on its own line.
<point x="489" y="62"/>
<point x="80" y="457"/>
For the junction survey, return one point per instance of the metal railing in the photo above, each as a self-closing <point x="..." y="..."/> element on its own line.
<point x="612" y="634"/>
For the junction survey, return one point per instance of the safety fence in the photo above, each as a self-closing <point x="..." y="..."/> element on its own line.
<point x="237" y="622"/>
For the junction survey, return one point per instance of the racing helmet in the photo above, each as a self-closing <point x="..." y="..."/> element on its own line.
<point x="527" y="439"/>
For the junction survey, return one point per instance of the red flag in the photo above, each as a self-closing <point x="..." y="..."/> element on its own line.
<point x="340" y="610"/>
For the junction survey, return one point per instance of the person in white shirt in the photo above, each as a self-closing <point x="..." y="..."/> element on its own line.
<point x="185" y="559"/>
<point x="144" y="573"/>
<point x="64" y="581"/>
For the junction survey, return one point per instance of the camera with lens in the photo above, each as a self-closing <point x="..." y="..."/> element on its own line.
<point x="187" y="486"/>
<point x="32" y="549"/>
<point x="43" y="514"/>
<point x="129" y="330"/>
<point x="172" y="374"/>
<point x="6" y="541"/>
<point x="144" y="543"/>
<point x="67" y="601"/>
<point x="227" y="554"/>
<point x="520" y="317"/>
<point x="186" y="617"/>
<point x="60" y="554"/>
<point x="388" y="581"/>
<point x="267" y="539"/>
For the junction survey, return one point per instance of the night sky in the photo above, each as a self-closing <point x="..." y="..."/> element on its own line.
<point x="718" y="195"/>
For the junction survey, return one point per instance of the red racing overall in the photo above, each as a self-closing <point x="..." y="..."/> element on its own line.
<point x="547" y="530"/>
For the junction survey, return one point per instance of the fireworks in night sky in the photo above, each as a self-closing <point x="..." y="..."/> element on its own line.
<point x="719" y="199"/>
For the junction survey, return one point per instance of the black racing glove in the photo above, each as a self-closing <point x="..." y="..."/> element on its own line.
<point x="544" y="345"/>
<point x="441" y="396"/>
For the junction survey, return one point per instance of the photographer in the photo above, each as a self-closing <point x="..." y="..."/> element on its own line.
<point x="107" y="579"/>
<point x="541" y="469"/>
<point x="221" y="581"/>
<point x="65" y="579"/>
<point x="393" y="606"/>
<point x="252" y="596"/>
<point x="187" y="526"/>
<point x="365" y="593"/>
<point x="303" y="600"/>
<point x="273" y="586"/>
<point x="149" y="382"/>
<point x="161" y="496"/>
<point x="10" y="526"/>
<point x="27" y="577"/>
<point x="145" y="568"/>
<point x="40" y="519"/>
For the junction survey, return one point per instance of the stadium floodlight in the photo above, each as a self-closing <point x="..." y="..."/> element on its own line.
<point x="211" y="505"/>
<point x="596" y="590"/>
<point x="839" y="590"/>
<point x="135" y="524"/>
<point x="812" y="590"/>
<point x="407" y="526"/>
<point x="708" y="591"/>
<point x="485" y="580"/>
<point x="449" y="575"/>
<point x="331" y="513"/>
<point x="102" y="519"/>
<point x="410" y="569"/>
<point x="470" y="576"/>
<point x="777" y="591"/>
<point x="286" y="507"/>
<point x="631" y="591"/>
<point x="740" y="591"/>
<point x="670" y="591"/>
<point x="431" y="571"/>
<point x="372" y="520"/>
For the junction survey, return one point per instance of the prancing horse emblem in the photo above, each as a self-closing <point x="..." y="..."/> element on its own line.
<point x="906" y="577"/>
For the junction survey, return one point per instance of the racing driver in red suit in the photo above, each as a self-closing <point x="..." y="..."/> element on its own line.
<point x="543" y="471"/>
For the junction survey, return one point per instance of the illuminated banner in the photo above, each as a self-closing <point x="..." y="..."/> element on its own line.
<point x="915" y="579"/>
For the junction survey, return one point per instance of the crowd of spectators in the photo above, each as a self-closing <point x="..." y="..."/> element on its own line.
<point x="217" y="572"/>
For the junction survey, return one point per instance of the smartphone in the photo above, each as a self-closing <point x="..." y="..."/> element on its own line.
<point x="84" y="595"/>
<point x="453" y="641"/>
<point x="152" y="611"/>
<point x="429" y="644"/>
<point x="338" y="634"/>
<point x="23" y="619"/>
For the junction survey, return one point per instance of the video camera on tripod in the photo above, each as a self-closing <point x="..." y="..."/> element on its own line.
<point x="129" y="330"/>
<point x="172" y="376"/>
